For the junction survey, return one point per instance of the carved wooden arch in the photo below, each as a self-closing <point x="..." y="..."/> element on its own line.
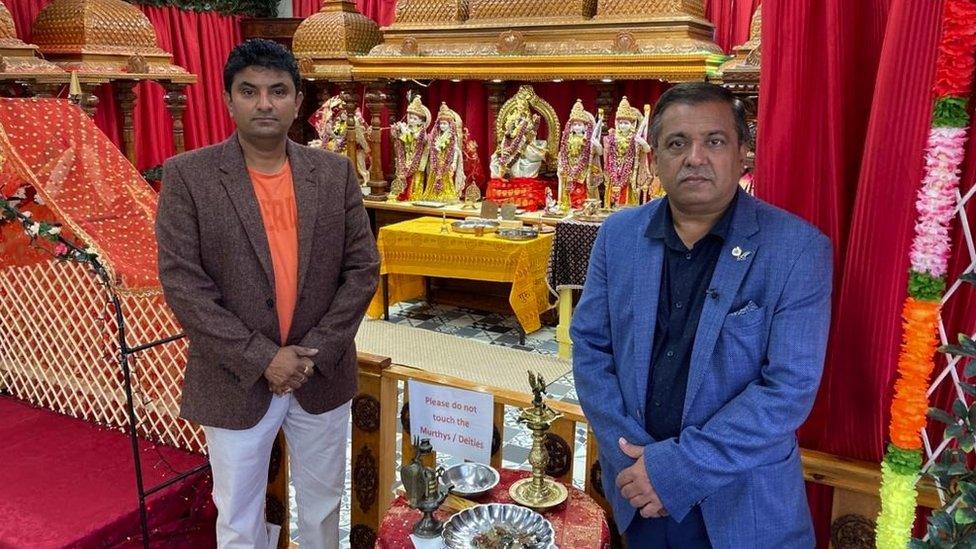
<point x="545" y="111"/>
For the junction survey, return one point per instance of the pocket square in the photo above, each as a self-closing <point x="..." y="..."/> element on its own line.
<point x="747" y="308"/>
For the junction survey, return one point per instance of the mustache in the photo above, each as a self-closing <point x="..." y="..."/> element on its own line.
<point x="687" y="174"/>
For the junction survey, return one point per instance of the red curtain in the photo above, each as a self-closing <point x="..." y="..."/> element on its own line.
<point x="843" y="120"/>
<point x="200" y="43"/>
<point x="381" y="11"/>
<point x="732" y="19"/>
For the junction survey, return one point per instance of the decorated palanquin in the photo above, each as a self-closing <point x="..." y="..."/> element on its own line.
<point x="111" y="41"/>
<point x="60" y="348"/>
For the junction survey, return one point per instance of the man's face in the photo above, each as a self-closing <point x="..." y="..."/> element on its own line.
<point x="263" y="102"/>
<point x="699" y="156"/>
<point x="444" y="126"/>
<point x="623" y="126"/>
<point x="413" y="119"/>
<point x="578" y="128"/>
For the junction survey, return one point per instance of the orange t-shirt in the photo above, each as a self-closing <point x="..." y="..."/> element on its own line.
<point x="276" y="196"/>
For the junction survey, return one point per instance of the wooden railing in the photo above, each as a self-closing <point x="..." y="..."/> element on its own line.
<point x="375" y="412"/>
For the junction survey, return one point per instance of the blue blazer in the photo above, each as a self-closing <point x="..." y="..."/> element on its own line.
<point x="755" y="369"/>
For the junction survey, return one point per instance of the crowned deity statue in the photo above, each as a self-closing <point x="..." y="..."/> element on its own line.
<point x="519" y="154"/>
<point x="579" y="157"/>
<point x="625" y="157"/>
<point x="411" y="146"/>
<point x="331" y="123"/>
<point x="445" y="173"/>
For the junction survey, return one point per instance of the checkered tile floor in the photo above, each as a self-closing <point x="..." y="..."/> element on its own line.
<point x="491" y="329"/>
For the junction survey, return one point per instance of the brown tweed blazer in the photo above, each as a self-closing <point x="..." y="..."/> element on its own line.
<point x="215" y="268"/>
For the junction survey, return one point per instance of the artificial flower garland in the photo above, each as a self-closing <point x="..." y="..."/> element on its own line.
<point x="929" y="258"/>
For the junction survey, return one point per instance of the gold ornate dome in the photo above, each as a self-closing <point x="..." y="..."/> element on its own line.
<point x="94" y="27"/>
<point x="7" y="29"/>
<point x="19" y="61"/>
<point x="337" y="30"/>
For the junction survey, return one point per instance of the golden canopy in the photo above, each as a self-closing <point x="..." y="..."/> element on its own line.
<point x="106" y="38"/>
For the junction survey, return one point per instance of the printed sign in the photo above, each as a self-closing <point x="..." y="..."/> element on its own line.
<point x="458" y="422"/>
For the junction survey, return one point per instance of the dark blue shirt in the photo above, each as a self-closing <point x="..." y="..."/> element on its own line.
<point x="685" y="278"/>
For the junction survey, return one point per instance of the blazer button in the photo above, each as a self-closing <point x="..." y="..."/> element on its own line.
<point x="269" y="303"/>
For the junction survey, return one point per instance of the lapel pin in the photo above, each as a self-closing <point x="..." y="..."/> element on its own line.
<point x="739" y="254"/>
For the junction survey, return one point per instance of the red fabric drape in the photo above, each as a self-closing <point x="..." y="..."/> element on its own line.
<point x="841" y="144"/>
<point x="731" y="19"/>
<point x="200" y="43"/>
<point x="381" y="11"/>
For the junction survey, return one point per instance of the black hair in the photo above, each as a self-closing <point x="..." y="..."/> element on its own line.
<point x="696" y="93"/>
<point x="258" y="52"/>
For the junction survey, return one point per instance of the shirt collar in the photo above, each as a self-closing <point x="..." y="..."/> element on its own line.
<point x="662" y="224"/>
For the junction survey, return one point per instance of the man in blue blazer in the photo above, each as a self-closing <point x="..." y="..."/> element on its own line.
<point x="699" y="343"/>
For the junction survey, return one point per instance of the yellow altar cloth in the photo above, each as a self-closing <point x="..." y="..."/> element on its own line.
<point x="413" y="249"/>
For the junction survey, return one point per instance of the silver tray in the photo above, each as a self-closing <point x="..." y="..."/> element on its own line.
<point x="470" y="480"/>
<point x="463" y="529"/>
<point x="468" y="226"/>
<point x="522" y="233"/>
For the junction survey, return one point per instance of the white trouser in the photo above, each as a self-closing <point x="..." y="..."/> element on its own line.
<point x="317" y="457"/>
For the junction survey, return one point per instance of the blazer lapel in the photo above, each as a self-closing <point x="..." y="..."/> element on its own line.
<point x="237" y="182"/>
<point x="307" y="201"/>
<point x="648" y="257"/>
<point x="728" y="275"/>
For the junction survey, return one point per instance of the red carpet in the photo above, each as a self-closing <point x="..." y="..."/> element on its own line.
<point x="68" y="483"/>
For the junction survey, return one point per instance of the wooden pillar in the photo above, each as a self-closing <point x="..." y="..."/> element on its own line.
<point x="88" y="100"/>
<point x="394" y="92"/>
<point x="175" y="99"/>
<point x="560" y="442"/>
<point x="496" y="98"/>
<point x="126" y="96"/>
<point x="373" y="449"/>
<point x="375" y="100"/>
<point x="350" y="99"/>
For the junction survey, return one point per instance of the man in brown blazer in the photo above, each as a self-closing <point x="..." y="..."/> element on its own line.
<point x="267" y="259"/>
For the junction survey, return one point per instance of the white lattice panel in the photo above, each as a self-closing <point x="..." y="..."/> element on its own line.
<point x="59" y="350"/>
<point x="949" y="369"/>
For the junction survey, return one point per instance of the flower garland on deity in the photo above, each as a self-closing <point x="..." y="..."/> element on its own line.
<point x="411" y="146"/>
<point x="517" y="133"/>
<point x="625" y="150"/>
<point x="330" y="121"/>
<point x="579" y="147"/>
<point x="445" y="177"/>
<point x="929" y="258"/>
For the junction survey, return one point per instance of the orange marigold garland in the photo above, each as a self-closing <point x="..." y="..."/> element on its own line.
<point x="929" y="257"/>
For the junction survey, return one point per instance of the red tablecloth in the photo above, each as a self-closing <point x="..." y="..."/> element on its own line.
<point x="579" y="522"/>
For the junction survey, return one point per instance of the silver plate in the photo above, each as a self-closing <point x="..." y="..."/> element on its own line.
<point x="470" y="480"/>
<point x="468" y="226"/>
<point x="522" y="233"/>
<point x="463" y="528"/>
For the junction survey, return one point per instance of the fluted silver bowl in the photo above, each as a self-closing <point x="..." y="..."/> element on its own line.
<point x="470" y="480"/>
<point x="462" y="529"/>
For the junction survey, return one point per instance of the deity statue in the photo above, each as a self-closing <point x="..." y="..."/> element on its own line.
<point x="445" y="176"/>
<point x="625" y="152"/>
<point x="579" y="157"/>
<point x="519" y="154"/>
<point x="411" y="145"/>
<point x="331" y="123"/>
